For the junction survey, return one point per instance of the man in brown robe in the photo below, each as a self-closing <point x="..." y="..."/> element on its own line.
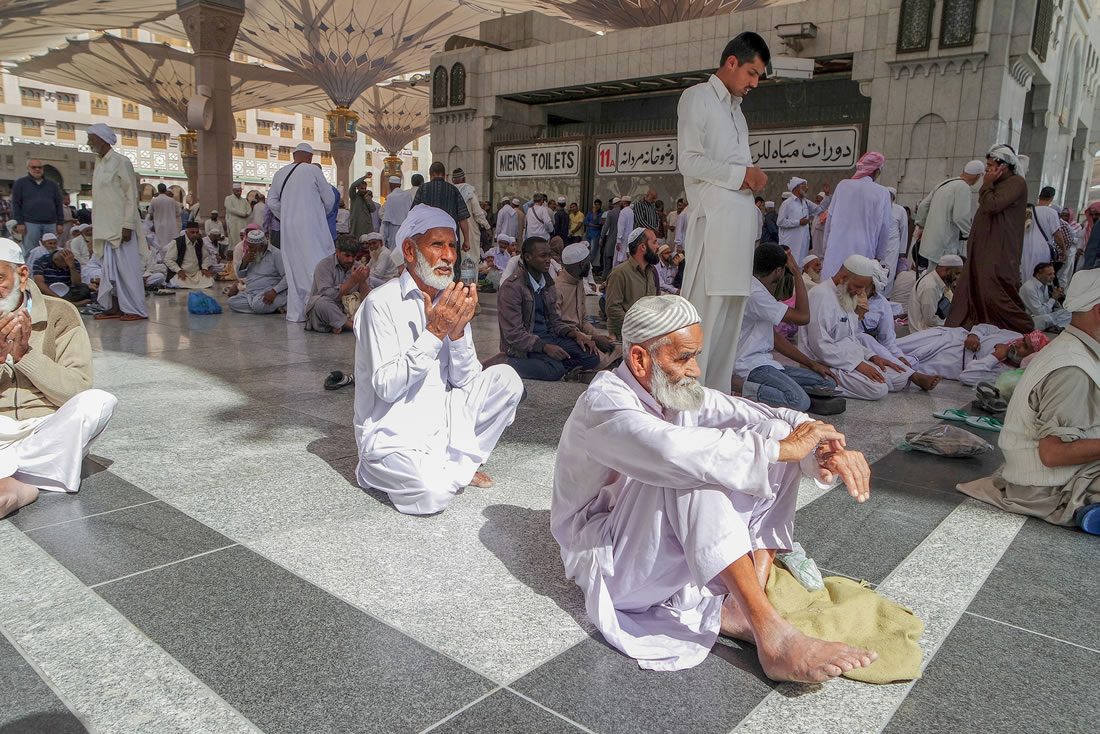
<point x="989" y="290"/>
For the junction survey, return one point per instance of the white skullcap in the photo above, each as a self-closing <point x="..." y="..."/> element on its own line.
<point x="860" y="265"/>
<point x="104" y="133"/>
<point x="624" y="198"/>
<point x="822" y="194"/>
<point x="48" y="237"/>
<point x="372" y="236"/>
<point x="615" y="200"/>
<point x="236" y="186"/>
<point x="1004" y="153"/>
<point x="422" y="218"/>
<point x="974" y="168"/>
<point x="506" y="238"/>
<point x="561" y="199"/>
<point x="574" y="253"/>
<point x="808" y="259"/>
<point x="255" y="237"/>
<point x="515" y="202"/>
<point x="879" y="276"/>
<point x="11" y="252"/>
<point x="769" y="204"/>
<point x="893" y="191"/>
<point x="786" y="195"/>
<point x="951" y="261"/>
<point x="654" y="316"/>
<point x="395" y="179"/>
<point x="213" y="211"/>
<point x="304" y="148"/>
<point x="1082" y="295"/>
<point x="634" y="234"/>
<point x="794" y="183"/>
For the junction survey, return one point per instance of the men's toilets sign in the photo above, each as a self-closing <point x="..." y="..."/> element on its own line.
<point x="546" y="161"/>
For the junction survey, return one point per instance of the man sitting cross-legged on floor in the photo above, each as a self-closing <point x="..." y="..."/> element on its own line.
<point x="1039" y="295"/>
<point x="426" y="414"/>
<point x="262" y="268"/>
<point x="48" y="414"/>
<point x="671" y="500"/>
<point x="539" y="346"/>
<point x="191" y="260"/>
<point x="970" y="356"/>
<point x="831" y="337"/>
<point x="757" y="375"/>
<point x="334" y="279"/>
<point x="1051" y="434"/>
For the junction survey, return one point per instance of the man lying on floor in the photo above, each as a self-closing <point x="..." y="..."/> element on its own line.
<point x="426" y="414"/>
<point x="48" y="414"/>
<point x="1051" y="434"/>
<point x="971" y="356"/>
<point x="671" y="500"/>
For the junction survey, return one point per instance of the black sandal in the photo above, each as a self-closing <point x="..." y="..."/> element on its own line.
<point x="990" y="400"/>
<point x="337" y="380"/>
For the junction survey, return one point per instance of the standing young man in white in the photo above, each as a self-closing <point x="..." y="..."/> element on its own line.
<point x="719" y="179"/>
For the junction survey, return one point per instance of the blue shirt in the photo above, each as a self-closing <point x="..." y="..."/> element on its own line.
<point x="592" y="226"/>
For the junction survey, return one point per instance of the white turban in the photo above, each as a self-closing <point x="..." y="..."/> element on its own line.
<point x="951" y="261"/>
<point x="635" y="234"/>
<point x="1082" y="295"/>
<point x="371" y="237"/>
<point x="104" y="133"/>
<point x="860" y="265"/>
<point x="422" y="218"/>
<point x="654" y="316"/>
<point x="505" y="238"/>
<point x="574" y="253"/>
<point x="1004" y="153"/>
<point x="879" y="277"/>
<point x="255" y="237"/>
<point x="808" y="259"/>
<point x="974" y="168"/>
<point x="11" y="252"/>
<point x="794" y="183"/>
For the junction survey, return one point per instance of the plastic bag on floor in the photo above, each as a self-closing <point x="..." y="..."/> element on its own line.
<point x="1006" y="383"/>
<point x="202" y="304"/>
<point x="941" y="440"/>
<point x="802" y="567"/>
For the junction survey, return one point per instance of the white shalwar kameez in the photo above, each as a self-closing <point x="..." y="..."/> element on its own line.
<point x="831" y="338"/>
<point x="237" y="214"/>
<point x="426" y="414"/>
<point x="649" y="508"/>
<point x="508" y="221"/>
<point x="301" y="198"/>
<point x="713" y="140"/>
<point x="165" y="213"/>
<point x="624" y="226"/>
<point x="859" y="221"/>
<point x="114" y="198"/>
<point x="47" y="452"/>
<point x="792" y="233"/>
<point x="1037" y="240"/>
<point x="941" y="351"/>
<point x="397" y="206"/>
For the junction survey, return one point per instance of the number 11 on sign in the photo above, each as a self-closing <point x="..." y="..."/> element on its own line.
<point x="605" y="158"/>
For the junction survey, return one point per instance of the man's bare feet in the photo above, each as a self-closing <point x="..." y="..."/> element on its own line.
<point x="15" y="494"/>
<point x="788" y="655"/>
<point x="925" y="382"/>
<point x="481" y="480"/>
<point x="734" y="622"/>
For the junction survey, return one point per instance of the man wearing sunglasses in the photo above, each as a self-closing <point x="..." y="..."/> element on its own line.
<point x="36" y="206"/>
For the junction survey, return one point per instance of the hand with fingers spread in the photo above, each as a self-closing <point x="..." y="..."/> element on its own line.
<point x="850" y="466"/>
<point x="823" y="370"/>
<point x="871" y="372"/>
<point x="884" y="364"/>
<point x="805" y="438"/>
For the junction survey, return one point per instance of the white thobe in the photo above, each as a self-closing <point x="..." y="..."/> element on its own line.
<point x="762" y="314"/>
<point x="946" y="215"/>
<point x="859" y="220"/>
<point x="649" y="508"/>
<point x="925" y="301"/>
<point x="941" y="351"/>
<point x="114" y="198"/>
<point x="382" y="268"/>
<point x="188" y="274"/>
<point x="1037" y="240"/>
<point x="210" y="226"/>
<point x="258" y="211"/>
<point x="539" y="222"/>
<point x="237" y="215"/>
<point x="47" y="452"/>
<point x="899" y="234"/>
<point x="624" y="227"/>
<point x="792" y="233"/>
<point x="426" y="414"/>
<point x="508" y="221"/>
<point x="1044" y="310"/>
<point x="397" y="206"/>
<point x="301" y="198"/>
<point x="831" y="338"/>
<point x="713" y="141"/>
<point x="165" y="213"/>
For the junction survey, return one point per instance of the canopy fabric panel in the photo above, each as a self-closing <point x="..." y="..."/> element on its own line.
<point x="393" y="114"/>
<point x="29" y="27"/>
<point x="623" y="14"/>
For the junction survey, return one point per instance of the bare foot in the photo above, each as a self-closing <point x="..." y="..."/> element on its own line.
<point x="482" y="480"/>
<point x="338" y="329"/>
<point x="788" y="655"/>
<point x="15" y="494"/>
<point x="734" y="622"/>
<point x="925" y="382"/>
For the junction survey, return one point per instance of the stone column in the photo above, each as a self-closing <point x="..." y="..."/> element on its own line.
<point x="189" y="157"/>
<point x="211" y="27"/>
<point x="392" y="167"/>
<point x="342" y="137"/>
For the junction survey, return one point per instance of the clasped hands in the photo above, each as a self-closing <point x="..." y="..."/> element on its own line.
<point x="454" y="309"/>
<point x="833" y="459"/>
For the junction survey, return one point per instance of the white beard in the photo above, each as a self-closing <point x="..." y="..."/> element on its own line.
<point x="686" y="395"/>
<point x="11" y="301"/>
<point x="427" y="273"/>
<point x="847" y="301"/>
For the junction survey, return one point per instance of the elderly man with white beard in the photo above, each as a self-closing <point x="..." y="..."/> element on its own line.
<point x="671" y="501"/>
<point x="427" y="415"/>
<point x="48" y="414"/>
<point x="832" y="336"/>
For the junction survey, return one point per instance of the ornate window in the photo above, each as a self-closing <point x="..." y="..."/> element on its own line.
<point x="458" y="85"/>
<point x="1044" y="21"/>
<point x="915" y="28"/>
<point x="957" y="23"/>
<point x="439" y="87"/>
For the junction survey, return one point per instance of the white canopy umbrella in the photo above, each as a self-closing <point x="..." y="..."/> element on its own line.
<point x="30" y="27"/>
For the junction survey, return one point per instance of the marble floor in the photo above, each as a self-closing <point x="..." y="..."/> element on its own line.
<point x="220" y="571"/>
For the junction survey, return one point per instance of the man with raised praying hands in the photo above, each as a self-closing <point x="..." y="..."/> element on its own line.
<point x="671" y="500"/>
<point x="426" y="414"/>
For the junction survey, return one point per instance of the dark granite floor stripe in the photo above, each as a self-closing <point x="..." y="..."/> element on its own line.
<point x="163" y="565"/>
<point x="1024" y="629"/>
<point x="29" y="703"/>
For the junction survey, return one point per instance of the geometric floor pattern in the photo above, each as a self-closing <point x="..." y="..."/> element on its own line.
<point x="220" y="571"/>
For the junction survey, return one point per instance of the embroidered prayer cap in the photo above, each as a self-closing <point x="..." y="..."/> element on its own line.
<point x="303" y="148"/>
<point x="868" y="164"/>
<point x="506" y="238"/>
<point x="104" y="133"/>
<point x="1083" y="292"/>
<point x="395" y="179"/>
<point x="794" y="183"/>
<point x="769" y="204"/>
<point x="951" y="261"/>
<point x="371" y="237"/>
<point x="48" y="237"/>
<point x="422" y="218"/>
<point x="457" y="174"/>
<point x="808" y="259"/>
<point x="860" y="265"/>
<point x="256" y="237"/>
<point x="654" y="316"/>
<point x="974" y="168"/>
<point x="574" y="253"/>
<point x="1004" y="154"/>
<point x="635" y="234"/>
<point x="11" y="252"/>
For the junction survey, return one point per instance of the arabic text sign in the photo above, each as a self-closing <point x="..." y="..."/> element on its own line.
<point x="829" y="147"/>
<point x="644" y="155"/>
<point x="538" y="160"/>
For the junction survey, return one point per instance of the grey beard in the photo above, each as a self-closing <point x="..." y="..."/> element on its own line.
<point x="11" y="301"/>
<point x="847" y="301"/>
<point x="686" y="395"/>
<point x="427" y="273"/>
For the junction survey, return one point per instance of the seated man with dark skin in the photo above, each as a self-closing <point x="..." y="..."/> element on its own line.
<point x="58" y="273"/>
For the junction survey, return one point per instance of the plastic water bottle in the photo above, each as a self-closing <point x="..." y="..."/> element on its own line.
<point x="468" y="271"/>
